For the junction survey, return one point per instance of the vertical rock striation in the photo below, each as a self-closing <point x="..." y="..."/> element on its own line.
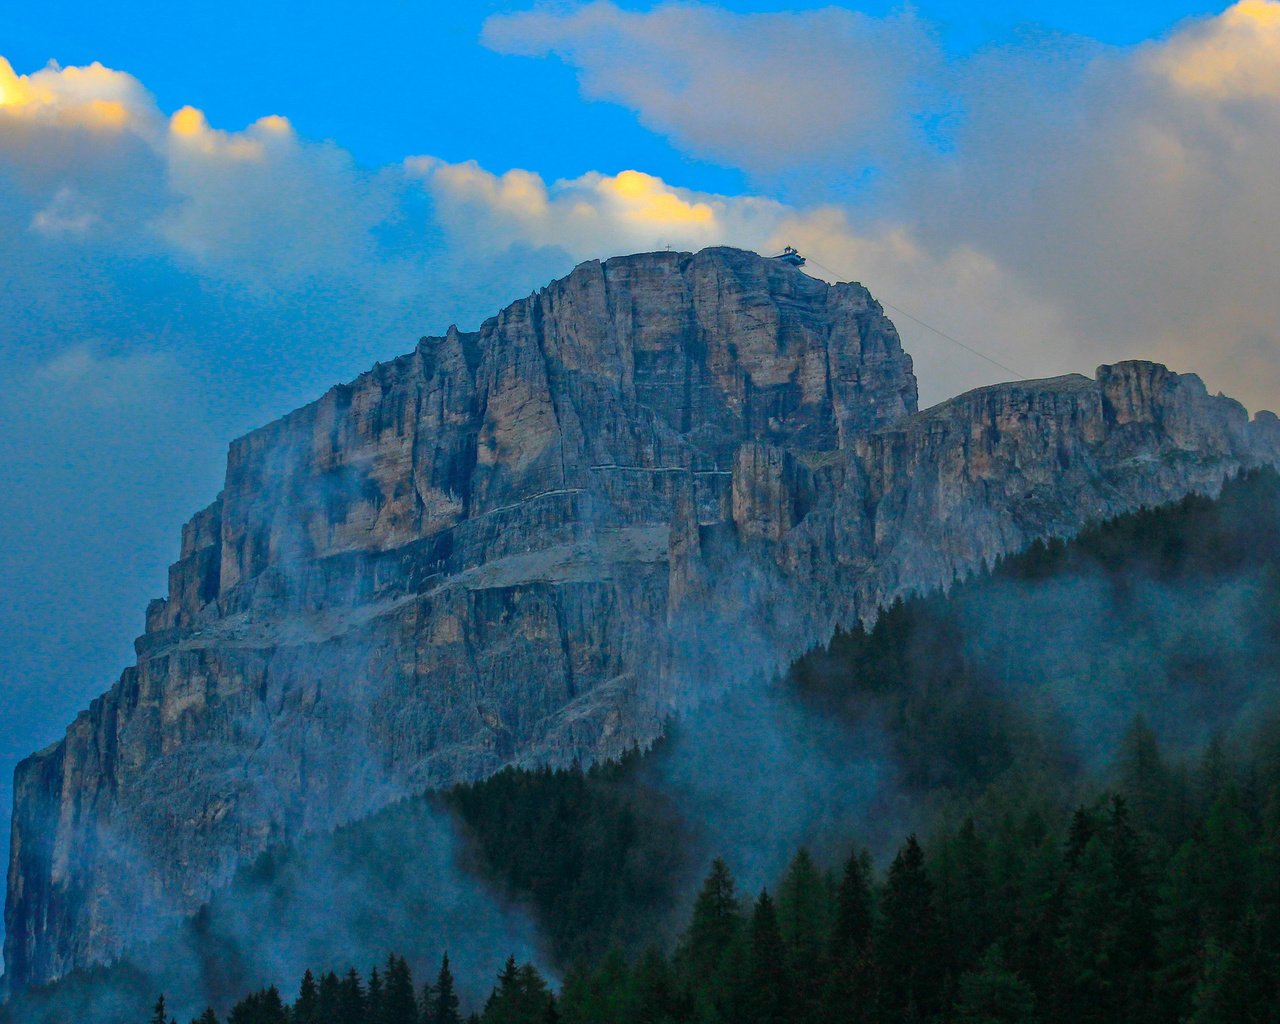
<point x="530" y="543"/>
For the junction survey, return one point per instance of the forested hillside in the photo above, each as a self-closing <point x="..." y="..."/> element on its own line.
<point x="1160" y="906"/>
<point x="1075" y="816"/>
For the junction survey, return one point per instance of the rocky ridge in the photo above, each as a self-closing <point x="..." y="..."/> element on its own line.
<point x="530" y="543"/>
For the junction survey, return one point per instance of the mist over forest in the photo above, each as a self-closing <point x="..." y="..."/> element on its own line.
<point x="1051" y="792"/>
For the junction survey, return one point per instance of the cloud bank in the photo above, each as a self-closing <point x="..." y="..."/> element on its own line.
<point x="766" y="91"/>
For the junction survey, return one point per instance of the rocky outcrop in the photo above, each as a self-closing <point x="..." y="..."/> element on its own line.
<point x="457" y="561"/>
<point x="530" y="543"/>
<point x="831" y="536"/>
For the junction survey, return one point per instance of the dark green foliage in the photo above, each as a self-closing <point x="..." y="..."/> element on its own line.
<point x="263" y="1007"/>
<point x="910" y="948"/>
<point x="717" y="919"/>
<point x="590" y="850"/>
<point x="440" y="1003"/>
<point x="306" y="1008"/>
<point x="373" y="998"/>
<point x="1085" y="920"/>
<point x="351" y="999"/>
<point x="521" y="996"/>
<point x="398" y="1005"/>
<point x="851" y="926"/>
<point x="709" y="957"/>
<point x="991" y="993"/>
<point x="768" y="995"/>
<point x="329" y="998"/>
<point x="1031" y="670"/>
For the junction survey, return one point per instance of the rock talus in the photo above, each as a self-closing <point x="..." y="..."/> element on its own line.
<point x="531" y="543"/>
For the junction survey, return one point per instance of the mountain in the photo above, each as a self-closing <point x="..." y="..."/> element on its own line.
<point x="987" y="718"/>
<point x="530" y="544"/>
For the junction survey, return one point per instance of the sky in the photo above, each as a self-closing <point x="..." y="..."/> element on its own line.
<point x="211" y="212"/>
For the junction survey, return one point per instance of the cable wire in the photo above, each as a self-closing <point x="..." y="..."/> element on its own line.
<point x="930" y="327"/>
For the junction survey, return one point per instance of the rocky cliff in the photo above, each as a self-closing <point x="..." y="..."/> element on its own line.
<point x="530" y="543"/>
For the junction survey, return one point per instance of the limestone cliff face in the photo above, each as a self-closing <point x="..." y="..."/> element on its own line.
<point x="530" y="543"/>
<point x="830" y="536"/>
<point x="456" y="562"/>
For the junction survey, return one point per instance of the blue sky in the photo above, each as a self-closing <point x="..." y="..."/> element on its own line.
<point x="240" y="206"/>
<point x="391" y="77"/>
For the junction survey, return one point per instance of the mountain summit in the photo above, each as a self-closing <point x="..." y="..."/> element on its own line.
<point x="532" y="543"/>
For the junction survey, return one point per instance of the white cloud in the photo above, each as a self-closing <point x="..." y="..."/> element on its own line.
<point x="264" y="204"/>
<point x="85" y="375"/>
<point x="1134" y="195"/>
<point x="66" y="214"/>
<point x="765" y="91"/>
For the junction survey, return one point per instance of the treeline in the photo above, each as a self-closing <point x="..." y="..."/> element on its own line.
<point x="1158" y="903"/>
<point x="385" y="997"/>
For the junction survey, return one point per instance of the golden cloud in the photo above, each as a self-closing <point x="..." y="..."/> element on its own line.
<point x="1233" y="56"/>
<point x="584" y="215"/>
<point x="93" y="97"/>
<point x="189" y="128"/>
<point x="644" y="199"/>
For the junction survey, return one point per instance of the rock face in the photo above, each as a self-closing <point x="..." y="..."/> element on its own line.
<point x="530" y="543"/>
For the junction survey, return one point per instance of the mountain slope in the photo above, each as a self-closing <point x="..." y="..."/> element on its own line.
<point x="529" y="544"/>
<point x="988" y="702"/>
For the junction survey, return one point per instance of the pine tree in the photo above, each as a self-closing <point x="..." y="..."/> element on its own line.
<point x="535" y="995"/>
<point x="965" y="896"/>
<point x="653" y="989"/>
<point x="351" y="999"/>
<point x="1145" y="780"/>
<point x="398" y="1004"/>
<point x="851" y="930"/>
<point x="768" y="998"/>
<point x="444" y="998"/>
<point x="909" y="947"/>
<point x="993" y="994"/>
<point x="306" y="1008"/>
<point x="521" y="996"/>
<point x="263" y="1007"/>
<point x="159" y="1016"/>
<point x="1221" y="997"/>
<point x="804" y="911"/>
<point x="1134" y="909"/>
<point x="1078" y="836"/>
<point x="848" y="988"/>
<point x="1106" y="935"/>
<point x="273" y="1008"/>
<point x="373" y="998"/>
<point x="716" y="921"/>
<point x="328" y="998"/>
<point x="711" y="956"/>
<point x="502" y="1004"/>
<point x="208" y="1017"/>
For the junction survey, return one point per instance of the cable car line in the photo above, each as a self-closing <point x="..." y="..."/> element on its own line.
<point x="915" y="319"/>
